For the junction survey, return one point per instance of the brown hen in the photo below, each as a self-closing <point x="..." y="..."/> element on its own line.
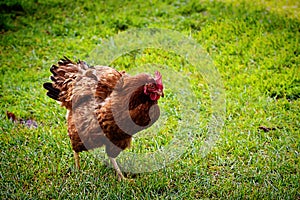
<point x="105" y="107"/>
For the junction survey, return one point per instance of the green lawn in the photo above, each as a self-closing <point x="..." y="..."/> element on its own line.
<point x="254" y="46"/>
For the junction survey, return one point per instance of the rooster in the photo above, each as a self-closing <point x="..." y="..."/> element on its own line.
<point x="105" y="107"/>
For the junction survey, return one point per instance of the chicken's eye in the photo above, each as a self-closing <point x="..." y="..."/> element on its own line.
<point x="151" y="85"/>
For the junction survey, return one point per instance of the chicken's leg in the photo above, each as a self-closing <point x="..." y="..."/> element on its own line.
<point x="76" y="157"/>
<point x="116" y="167"/>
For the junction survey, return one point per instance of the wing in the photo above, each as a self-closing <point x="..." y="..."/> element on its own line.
<point x="129" y="110"/>
<point x="90" y="92"/>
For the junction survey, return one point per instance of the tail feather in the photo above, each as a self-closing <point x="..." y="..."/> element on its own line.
<point x="63" y="78"/>
<point x="53" y="68"/>
<point x="52" y="92"/>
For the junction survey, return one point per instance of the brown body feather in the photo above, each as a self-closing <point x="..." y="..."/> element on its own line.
<point x="105" y="107"/>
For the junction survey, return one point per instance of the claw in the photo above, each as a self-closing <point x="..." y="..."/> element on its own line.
<point x="116" y="167"/>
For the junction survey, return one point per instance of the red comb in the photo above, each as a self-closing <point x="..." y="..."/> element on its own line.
<point x="158" y="78"/>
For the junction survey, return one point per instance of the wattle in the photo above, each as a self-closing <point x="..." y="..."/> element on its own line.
<point x="154" y="96"/>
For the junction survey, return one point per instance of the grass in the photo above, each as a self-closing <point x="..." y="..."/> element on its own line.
<point x="254" y="46"/>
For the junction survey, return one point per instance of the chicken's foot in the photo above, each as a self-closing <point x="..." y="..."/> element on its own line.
<point x="116" y="167"/>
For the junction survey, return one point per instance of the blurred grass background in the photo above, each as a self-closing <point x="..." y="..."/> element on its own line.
<point x="255" y="47"/>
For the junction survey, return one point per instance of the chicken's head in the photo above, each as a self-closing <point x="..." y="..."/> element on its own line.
<point x="155" y="89"/>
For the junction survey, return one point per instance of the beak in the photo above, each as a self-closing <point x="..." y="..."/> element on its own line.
<point x="160" y="93"/>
